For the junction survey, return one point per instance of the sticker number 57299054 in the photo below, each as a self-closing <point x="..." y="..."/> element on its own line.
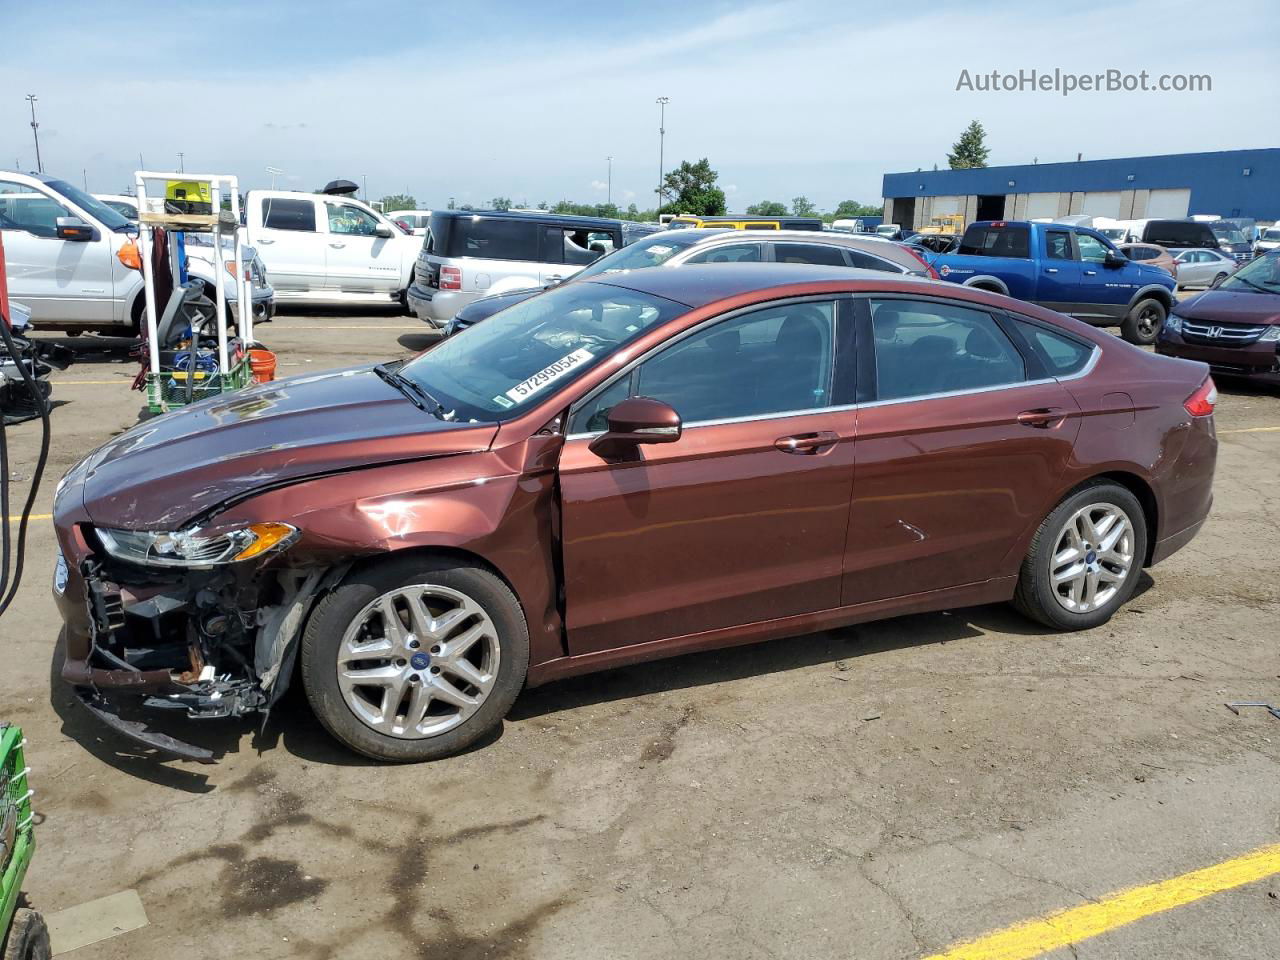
<point x="547" y="375"/>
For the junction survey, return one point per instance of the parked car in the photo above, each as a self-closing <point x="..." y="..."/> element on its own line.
<point x="467" y="255"/>
<point x="415" y="220"/>
<point x="1232" y="240"/>
<point x="62" y="251"/>
<point x="1064" y="267"/>
<point x="580" y="485"/>
<point x="674" y="248"/>
<point x="1268" y="240"/>
<point x="744" y="222"/>
<point x="1152" y="255"/>
<point x="931" y="243"/>
<point x="126" y="206"/>
<point x="329" y="249"/>
<point x="1177" y="234"/>
<point x="1203" y="267"/>
<point x="1235" y="327"/>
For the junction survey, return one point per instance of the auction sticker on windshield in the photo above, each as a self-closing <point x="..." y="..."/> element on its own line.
<point x="549" y="374"/>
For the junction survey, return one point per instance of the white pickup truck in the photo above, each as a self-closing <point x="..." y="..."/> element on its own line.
<point x="321" y="248"/>
<point x="61" y="247"/>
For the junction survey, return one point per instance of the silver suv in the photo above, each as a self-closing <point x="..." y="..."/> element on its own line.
<point x="466" y="255"/>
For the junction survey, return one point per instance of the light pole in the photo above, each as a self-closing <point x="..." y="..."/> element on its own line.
<point x="275" y="172"/>
<point x="662" y="132"/>
<point x="609" y="196"/>
<point x="35" y="131"/>
<point x="180" y="156"/>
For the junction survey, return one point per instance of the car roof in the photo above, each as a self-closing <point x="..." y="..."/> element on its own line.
<point x="555" y="218"/>
<point x="696" y="285"/>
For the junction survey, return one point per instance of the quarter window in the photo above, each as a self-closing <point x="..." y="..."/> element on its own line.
<point x="808" y="253"/>
<point x="867" y="262"/>
<point x="771" y="361"/>
<point x="1060" y="354"/>
<point x="925" y="348"/>
<point x="351" y="220"/>
<point x="22" y="208"/>
<point x="284" y="214"/>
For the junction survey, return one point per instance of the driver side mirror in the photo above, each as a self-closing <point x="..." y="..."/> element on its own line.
<point x="1114" y="259"/>
<point x="73" y="228"/>
<point x="382" y="230"/>
<point x="634" y="421"/>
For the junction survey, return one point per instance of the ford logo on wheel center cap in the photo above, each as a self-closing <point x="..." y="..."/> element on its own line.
<point x="420" y="661"/>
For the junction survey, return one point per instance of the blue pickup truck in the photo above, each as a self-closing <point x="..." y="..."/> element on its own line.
<point x="1071" y="269"/>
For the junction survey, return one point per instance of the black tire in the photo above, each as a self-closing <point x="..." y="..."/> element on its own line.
<point x="322" y="638"/>
<point x="28" y="937"/>
<point x="1144" y="321"/>
<point x="1035" y="596"/>
<point x="1217" y="281"/>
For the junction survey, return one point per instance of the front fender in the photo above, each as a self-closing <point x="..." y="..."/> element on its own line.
<point x="1156" y="290"/>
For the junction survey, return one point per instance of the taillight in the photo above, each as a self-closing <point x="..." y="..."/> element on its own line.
<point x="450" y="278"/>
<point x="1201" y="403"/>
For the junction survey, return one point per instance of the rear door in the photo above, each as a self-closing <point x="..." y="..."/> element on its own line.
<point x="357" y="260"/>
<point x="1059" y="280"/>
<point x="743" y="518"/>
<point x="566" y="250"/>
<point x="958" y="452"/>
<point x="290" y="243"/>
<point x="57" y="280"/>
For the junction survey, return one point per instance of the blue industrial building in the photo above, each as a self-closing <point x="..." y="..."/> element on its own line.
<point x="1228" y="183"/>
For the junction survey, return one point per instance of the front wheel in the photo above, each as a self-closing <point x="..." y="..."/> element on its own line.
<point x="415" y="659"/>
<point x="1085" y="558"/>
<point x="1217" y="281"/>
<point x="28" y="937"/>
<point x="1143" y="322"/>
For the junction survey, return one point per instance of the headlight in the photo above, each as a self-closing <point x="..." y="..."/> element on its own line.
<point x="1173" y="323"/>
<point x="196" y="547"/>
<point x="1271" y="334"/>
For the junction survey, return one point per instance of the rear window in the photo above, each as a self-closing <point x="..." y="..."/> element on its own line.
<point x="280" y="214"/>
<point x="1179" y="233"/>
<point x="994" y="241"/>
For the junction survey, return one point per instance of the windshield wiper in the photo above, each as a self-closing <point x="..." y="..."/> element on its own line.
<point x="411" y="389"/>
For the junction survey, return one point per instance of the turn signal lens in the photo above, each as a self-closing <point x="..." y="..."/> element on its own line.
<point x="268" y="535"/>
<point x="1201" y="403"/>
<point x="129" y="256"/>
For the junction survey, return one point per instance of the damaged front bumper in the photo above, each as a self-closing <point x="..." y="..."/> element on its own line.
<point x="200" y="644"/>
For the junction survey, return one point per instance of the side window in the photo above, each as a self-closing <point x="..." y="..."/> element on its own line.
<point x="1060" y="354"/>
<point x="867" y="262"/>
<point x="22" y="208"/>
<point x="1092" y="249"/>
<point x="926" y="348"/>
<point x="808" y="253"/>
<point x="730" y="253"/>
<point x="284" y="214"/>
<point x="1057" y="245"/>
<point x="775" y="360"/>
<point x="576" y="246"/>
<point x="348" y="219"/>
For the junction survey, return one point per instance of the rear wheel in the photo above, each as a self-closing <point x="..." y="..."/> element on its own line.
<point x="1085" y="558"/>
<point x="1217" y="281"/>
<point x="28" y="937"/>
<point x="415" y="659"/>
<point x="1143" y="322"/>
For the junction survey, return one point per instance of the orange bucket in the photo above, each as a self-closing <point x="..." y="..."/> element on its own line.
<point x="263" y="365"/>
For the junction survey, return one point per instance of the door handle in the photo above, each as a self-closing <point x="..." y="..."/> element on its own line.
<point x="1091" y="273"/>
<point x="1042" y="418"/>
<point x="264" y="240"/>
<point x="807" y="443"/>
<point x="555" y="278"/>
<point x="337" y="246"/>
<point x="1050" y="269"/>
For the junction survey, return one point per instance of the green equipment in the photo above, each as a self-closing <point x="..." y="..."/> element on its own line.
<point x="23" y="935"/>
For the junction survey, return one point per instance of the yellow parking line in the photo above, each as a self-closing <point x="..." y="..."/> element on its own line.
<point x="34" y="516"/>
<point x="353" y="326"/>
<point x="1252" y="430"/>
<point x="1036" y="937"/>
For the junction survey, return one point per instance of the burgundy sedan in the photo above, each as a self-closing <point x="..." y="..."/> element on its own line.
<point x="1235" y="327"/>
<point x="630" y="467"/>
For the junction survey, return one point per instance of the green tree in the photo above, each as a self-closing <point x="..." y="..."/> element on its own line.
<point x="848" y="209"/>
<point x="801" y="207"/>
<point x="500" y="203"/>
<point x="398" y="201"/>
<point x="768" y="208"/>
<point x="691" y="188"/>
<point x="970" y="150"/>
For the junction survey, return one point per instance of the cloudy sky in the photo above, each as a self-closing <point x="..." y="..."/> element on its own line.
<point x="526" y="100"/>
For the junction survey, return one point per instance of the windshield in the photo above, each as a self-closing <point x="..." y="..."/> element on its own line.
<point x="496" y="369"/>
<point x="1271" y="233"/>
<point x="1260" y="276"/>
<point x="1228" y="233"/>
<point x="1114" y="233"/>
<point x="648" y="252"/>
<point x="92" y="205"/>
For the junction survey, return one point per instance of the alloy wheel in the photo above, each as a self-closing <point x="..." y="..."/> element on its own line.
<point x="1148" y="323"/>
<point x="418" y="660"/>
<point x="1092" y="558"/>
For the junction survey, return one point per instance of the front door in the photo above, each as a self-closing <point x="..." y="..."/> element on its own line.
<point x="1108" y="290"/>
<point x="741" y="520"/>
<point x="57" y="280"/>
<point x="956" y="455"/>
<point x="358" y="261"/>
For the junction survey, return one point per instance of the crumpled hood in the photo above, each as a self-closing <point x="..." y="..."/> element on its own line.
<point x="1229" y="306"/>
<point x="166" y="471"/>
